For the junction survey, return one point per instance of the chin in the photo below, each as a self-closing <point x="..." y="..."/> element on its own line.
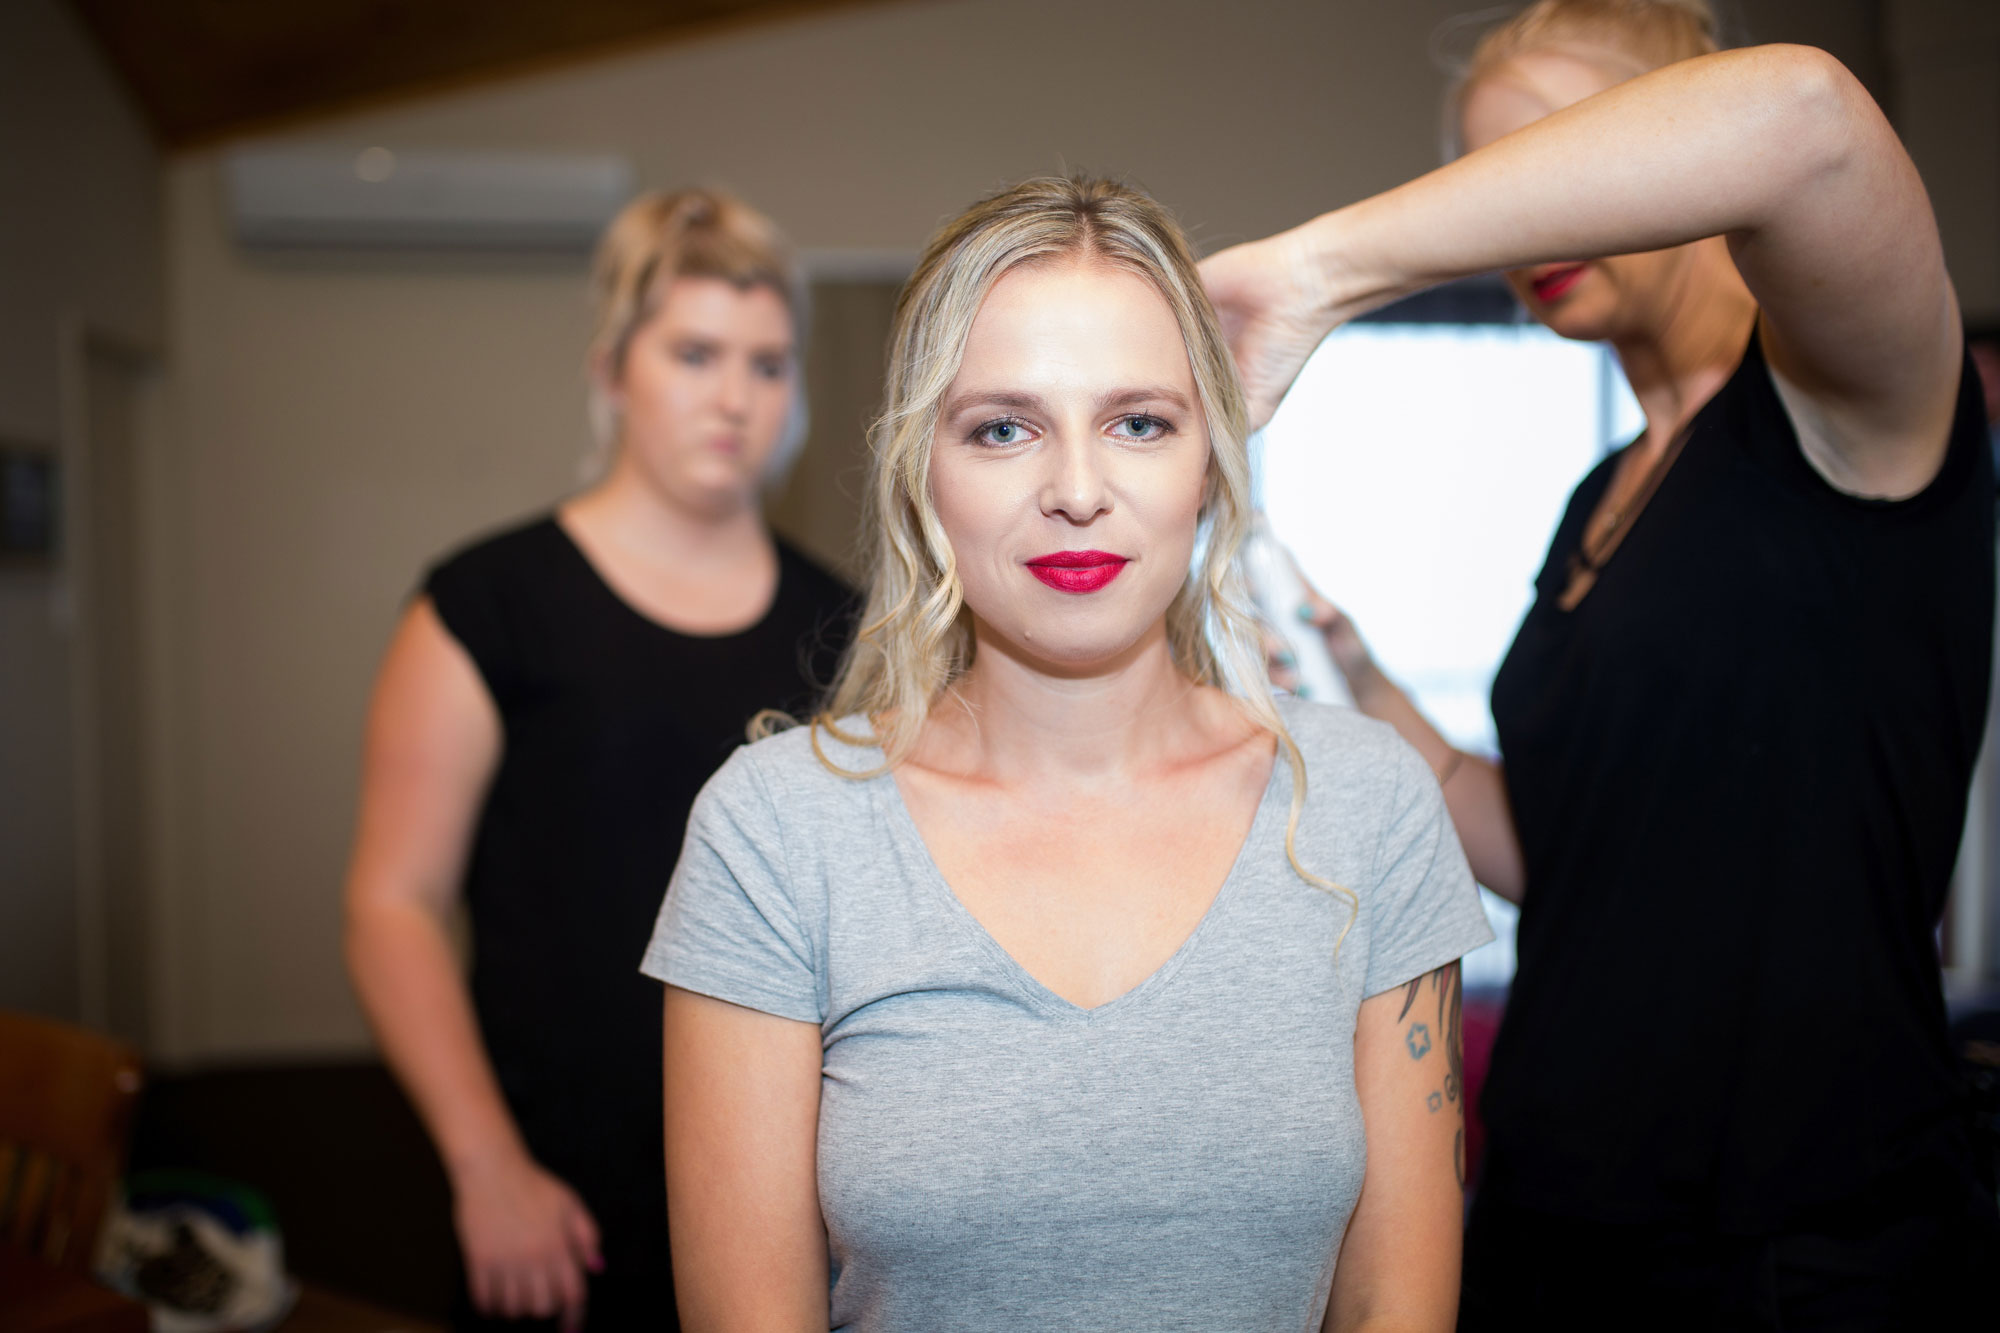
<point x="1583" y="314"/>
<point x="712" y="493"/>
<point x="1071" y="650"/>
<point x="1581" y="325"/>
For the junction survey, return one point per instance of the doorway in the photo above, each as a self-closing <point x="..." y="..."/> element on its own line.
<point x="103" y="543"/>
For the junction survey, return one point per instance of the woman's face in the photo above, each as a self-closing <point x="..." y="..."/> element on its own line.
<point x="705" y="390"/>
<point x="1612" y="298"/>
<point x="1070" y="463"/>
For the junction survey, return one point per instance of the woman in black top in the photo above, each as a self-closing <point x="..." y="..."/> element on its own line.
<point x="548" y="709"/>
<point x="1740" y="720"/>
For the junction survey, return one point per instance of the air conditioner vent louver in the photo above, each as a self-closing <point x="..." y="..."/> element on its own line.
<point x="372" y="198"/>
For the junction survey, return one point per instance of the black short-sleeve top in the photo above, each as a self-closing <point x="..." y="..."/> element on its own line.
<point x="1739" y="771"/>
<point x="612" y="722"/>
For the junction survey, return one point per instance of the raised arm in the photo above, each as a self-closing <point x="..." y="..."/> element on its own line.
<point x="1399" y="1261"/>
<point x="1778" y="148"/>
<point x="1475" y="790"/>
<point x="432" y="745"/>
<point x="742" y="1124"/>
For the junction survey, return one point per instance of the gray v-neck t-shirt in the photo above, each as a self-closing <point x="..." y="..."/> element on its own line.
<point x="990" y="1155"/>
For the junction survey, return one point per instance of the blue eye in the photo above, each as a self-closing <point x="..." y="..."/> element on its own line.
<point x="1140" y="428"/>
<point x="1001" y="432"/>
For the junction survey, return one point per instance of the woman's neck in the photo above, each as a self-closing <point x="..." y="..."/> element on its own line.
<point x="626" y="512"/>
<point x="1678" y="362"/>
<point x="1012" y="719"/>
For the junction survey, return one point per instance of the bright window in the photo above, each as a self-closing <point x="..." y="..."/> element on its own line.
<point x="1418" y="471"/>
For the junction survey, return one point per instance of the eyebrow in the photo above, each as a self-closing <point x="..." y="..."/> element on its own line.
<point x="712" y="341"/>
<point x="1029" y="402"/>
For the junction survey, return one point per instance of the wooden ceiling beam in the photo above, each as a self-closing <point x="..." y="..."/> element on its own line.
<point x="206" y="70"/>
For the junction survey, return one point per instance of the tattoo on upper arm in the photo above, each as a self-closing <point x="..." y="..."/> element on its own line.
<point x="1451" y="1005"/>
<point x="1446" y="983"/>
<point x="1410" y="993"/>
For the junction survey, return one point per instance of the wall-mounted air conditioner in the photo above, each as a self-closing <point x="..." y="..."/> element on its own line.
<point x="375" y="198"/>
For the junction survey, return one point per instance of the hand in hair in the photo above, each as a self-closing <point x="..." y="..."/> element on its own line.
<point x="1264" y="294"/>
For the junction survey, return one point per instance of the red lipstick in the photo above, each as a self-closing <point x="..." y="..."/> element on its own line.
<point x="1077" y="571"/>
<point x="1551" y="285"/>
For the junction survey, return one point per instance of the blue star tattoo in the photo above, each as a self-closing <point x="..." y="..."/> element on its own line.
<point x="1419" y="1040"/>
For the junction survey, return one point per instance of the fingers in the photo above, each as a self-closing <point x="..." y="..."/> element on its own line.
<point x="555" y="1286"/>
<point x="528" y="1241"/>
<point x="1315" y="610"/>
<point x="1279" y="663"/>
<point x="537" y="1294"/>
<point x="571" y="1292"/>
<point x="485" y="1290"/>
<point x="581" y="1232"/>
<point x="513" y="1288"/>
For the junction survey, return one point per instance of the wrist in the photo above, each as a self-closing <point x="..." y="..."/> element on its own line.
<point x="471" y="1165"/>
<point x="1336" y="269"/>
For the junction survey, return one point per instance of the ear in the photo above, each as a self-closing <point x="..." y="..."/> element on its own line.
<point x="606" y="379"/>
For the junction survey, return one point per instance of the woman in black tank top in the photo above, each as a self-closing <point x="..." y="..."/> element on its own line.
<point x="1740" y="720"/>
<point x="549" y="707"/>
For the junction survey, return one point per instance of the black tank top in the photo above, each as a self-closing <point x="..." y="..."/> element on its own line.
<point x="612" y="723"/>
<point x="1739" y="772"/>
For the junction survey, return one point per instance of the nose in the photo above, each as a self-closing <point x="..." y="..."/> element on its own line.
<point x="732" y="389"/>
<point x="1076" y="486"/>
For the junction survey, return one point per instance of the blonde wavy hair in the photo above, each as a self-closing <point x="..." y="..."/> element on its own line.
<point x="915" y="638"/>
<point x="1624" y="38"/>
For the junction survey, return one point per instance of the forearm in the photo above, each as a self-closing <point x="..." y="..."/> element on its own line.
<point x="415" y="998"/>
<point x="1724" y="144"/>
<point x="1475" y="791"/>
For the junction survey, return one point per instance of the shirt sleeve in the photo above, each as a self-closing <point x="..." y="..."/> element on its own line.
<point x="730" y="926"/>
<point x="1422" y="906"/>
<point x="469" y="603"/>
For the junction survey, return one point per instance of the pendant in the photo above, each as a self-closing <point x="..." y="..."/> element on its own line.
<point x="1582" y="578"/>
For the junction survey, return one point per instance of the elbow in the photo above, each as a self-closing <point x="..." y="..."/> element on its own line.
<point x="1502" y="875"/>
<point x="369" y="923"/>
<point x="1827" y="116"/>
<point x="355" y="936"/>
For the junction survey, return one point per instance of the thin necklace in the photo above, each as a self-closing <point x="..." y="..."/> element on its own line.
<point x="1589" y="559"/>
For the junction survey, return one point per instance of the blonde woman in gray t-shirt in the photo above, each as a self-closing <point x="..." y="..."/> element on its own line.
<point x="1050" y="977"/>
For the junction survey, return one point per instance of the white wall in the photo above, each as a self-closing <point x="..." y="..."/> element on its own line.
<point x="79" y="241"/>
<point x="337" y="425"/>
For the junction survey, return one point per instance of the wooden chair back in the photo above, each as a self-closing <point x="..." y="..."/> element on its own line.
<point x="66" y="1102"/>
